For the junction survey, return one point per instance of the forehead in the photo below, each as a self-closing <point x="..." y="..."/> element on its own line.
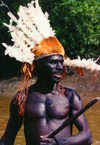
<point x="54" y="57"/>
<point x="51" y="58"/>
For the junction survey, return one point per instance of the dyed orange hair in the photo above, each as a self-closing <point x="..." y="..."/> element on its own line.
<point x="48" y="46"/>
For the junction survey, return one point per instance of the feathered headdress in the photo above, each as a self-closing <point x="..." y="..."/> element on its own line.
<point x="33" y="37"/>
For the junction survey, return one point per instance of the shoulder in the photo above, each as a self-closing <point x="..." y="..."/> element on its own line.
<point x="14" y="103"/>
<point x="31" y="89"/>
<point x="71" y="94"/>
<point x="74" y="98"/>
<point x="13" y="100"/>
<point x="14" y="108"/>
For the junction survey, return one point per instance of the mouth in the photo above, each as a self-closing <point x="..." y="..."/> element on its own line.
<point x="58" y="75"/>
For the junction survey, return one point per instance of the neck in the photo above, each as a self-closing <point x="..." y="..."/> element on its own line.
<point x="46" y="86"/>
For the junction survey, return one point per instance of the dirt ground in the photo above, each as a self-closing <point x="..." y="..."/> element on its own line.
<point x="73" y="80"/>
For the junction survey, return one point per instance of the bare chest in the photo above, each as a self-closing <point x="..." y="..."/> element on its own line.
<point x="55" y="106"/>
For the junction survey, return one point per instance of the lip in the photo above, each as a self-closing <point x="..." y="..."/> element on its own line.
<point x="58" y="75"/>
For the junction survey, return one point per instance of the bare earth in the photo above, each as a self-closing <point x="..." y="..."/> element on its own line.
<point x="73" y="80"/>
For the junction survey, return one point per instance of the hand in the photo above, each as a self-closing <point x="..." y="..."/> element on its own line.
<point x="47" y="141"/>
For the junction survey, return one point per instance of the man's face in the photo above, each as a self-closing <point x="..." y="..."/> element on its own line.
<point x="52" y="67"/>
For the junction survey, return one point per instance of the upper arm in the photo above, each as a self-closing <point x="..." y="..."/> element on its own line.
<point x="81" y="122"/>
<point x="13" y="125"/>
<point x="83" y="137"/>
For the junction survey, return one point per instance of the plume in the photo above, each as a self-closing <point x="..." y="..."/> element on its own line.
<point x="31" y="26"/>
<point x="83" y="63"/>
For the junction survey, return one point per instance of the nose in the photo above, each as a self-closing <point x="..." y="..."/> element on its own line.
<point x="59" y="66"/>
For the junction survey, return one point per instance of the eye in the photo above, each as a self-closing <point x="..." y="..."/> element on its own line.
<point x="53" y="62"/>
<point x="61" y="62"/>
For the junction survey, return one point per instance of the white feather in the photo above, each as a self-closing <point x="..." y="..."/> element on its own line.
<point x="12" y="17"/>
<point x="87" y="64"/>
<point x="31" y="27"/>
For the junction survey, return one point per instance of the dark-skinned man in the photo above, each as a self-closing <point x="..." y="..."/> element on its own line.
<point x="47" y="107"/>
<point x="46" y="104"/>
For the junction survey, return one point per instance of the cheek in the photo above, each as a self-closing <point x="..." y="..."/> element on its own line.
<point x="51" y="68"/>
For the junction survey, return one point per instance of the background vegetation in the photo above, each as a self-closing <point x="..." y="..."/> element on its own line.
<point x="77" y="25"/>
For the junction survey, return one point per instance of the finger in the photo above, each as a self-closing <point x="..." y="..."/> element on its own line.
<point x="46" y="140"/>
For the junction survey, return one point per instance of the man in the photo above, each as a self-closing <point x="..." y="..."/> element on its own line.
<point x="47" y="104"/>
<point x="46" y="108"/>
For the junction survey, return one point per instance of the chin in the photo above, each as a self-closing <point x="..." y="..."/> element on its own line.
<point x="56" y="80"/>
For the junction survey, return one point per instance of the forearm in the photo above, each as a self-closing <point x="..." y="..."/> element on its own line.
<point x="10" y="133"/>
<point x="13" y="125"/>
<point x="82" y="138"/>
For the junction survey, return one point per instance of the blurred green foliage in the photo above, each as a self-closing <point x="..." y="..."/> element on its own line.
<point x="77" y="25"/>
